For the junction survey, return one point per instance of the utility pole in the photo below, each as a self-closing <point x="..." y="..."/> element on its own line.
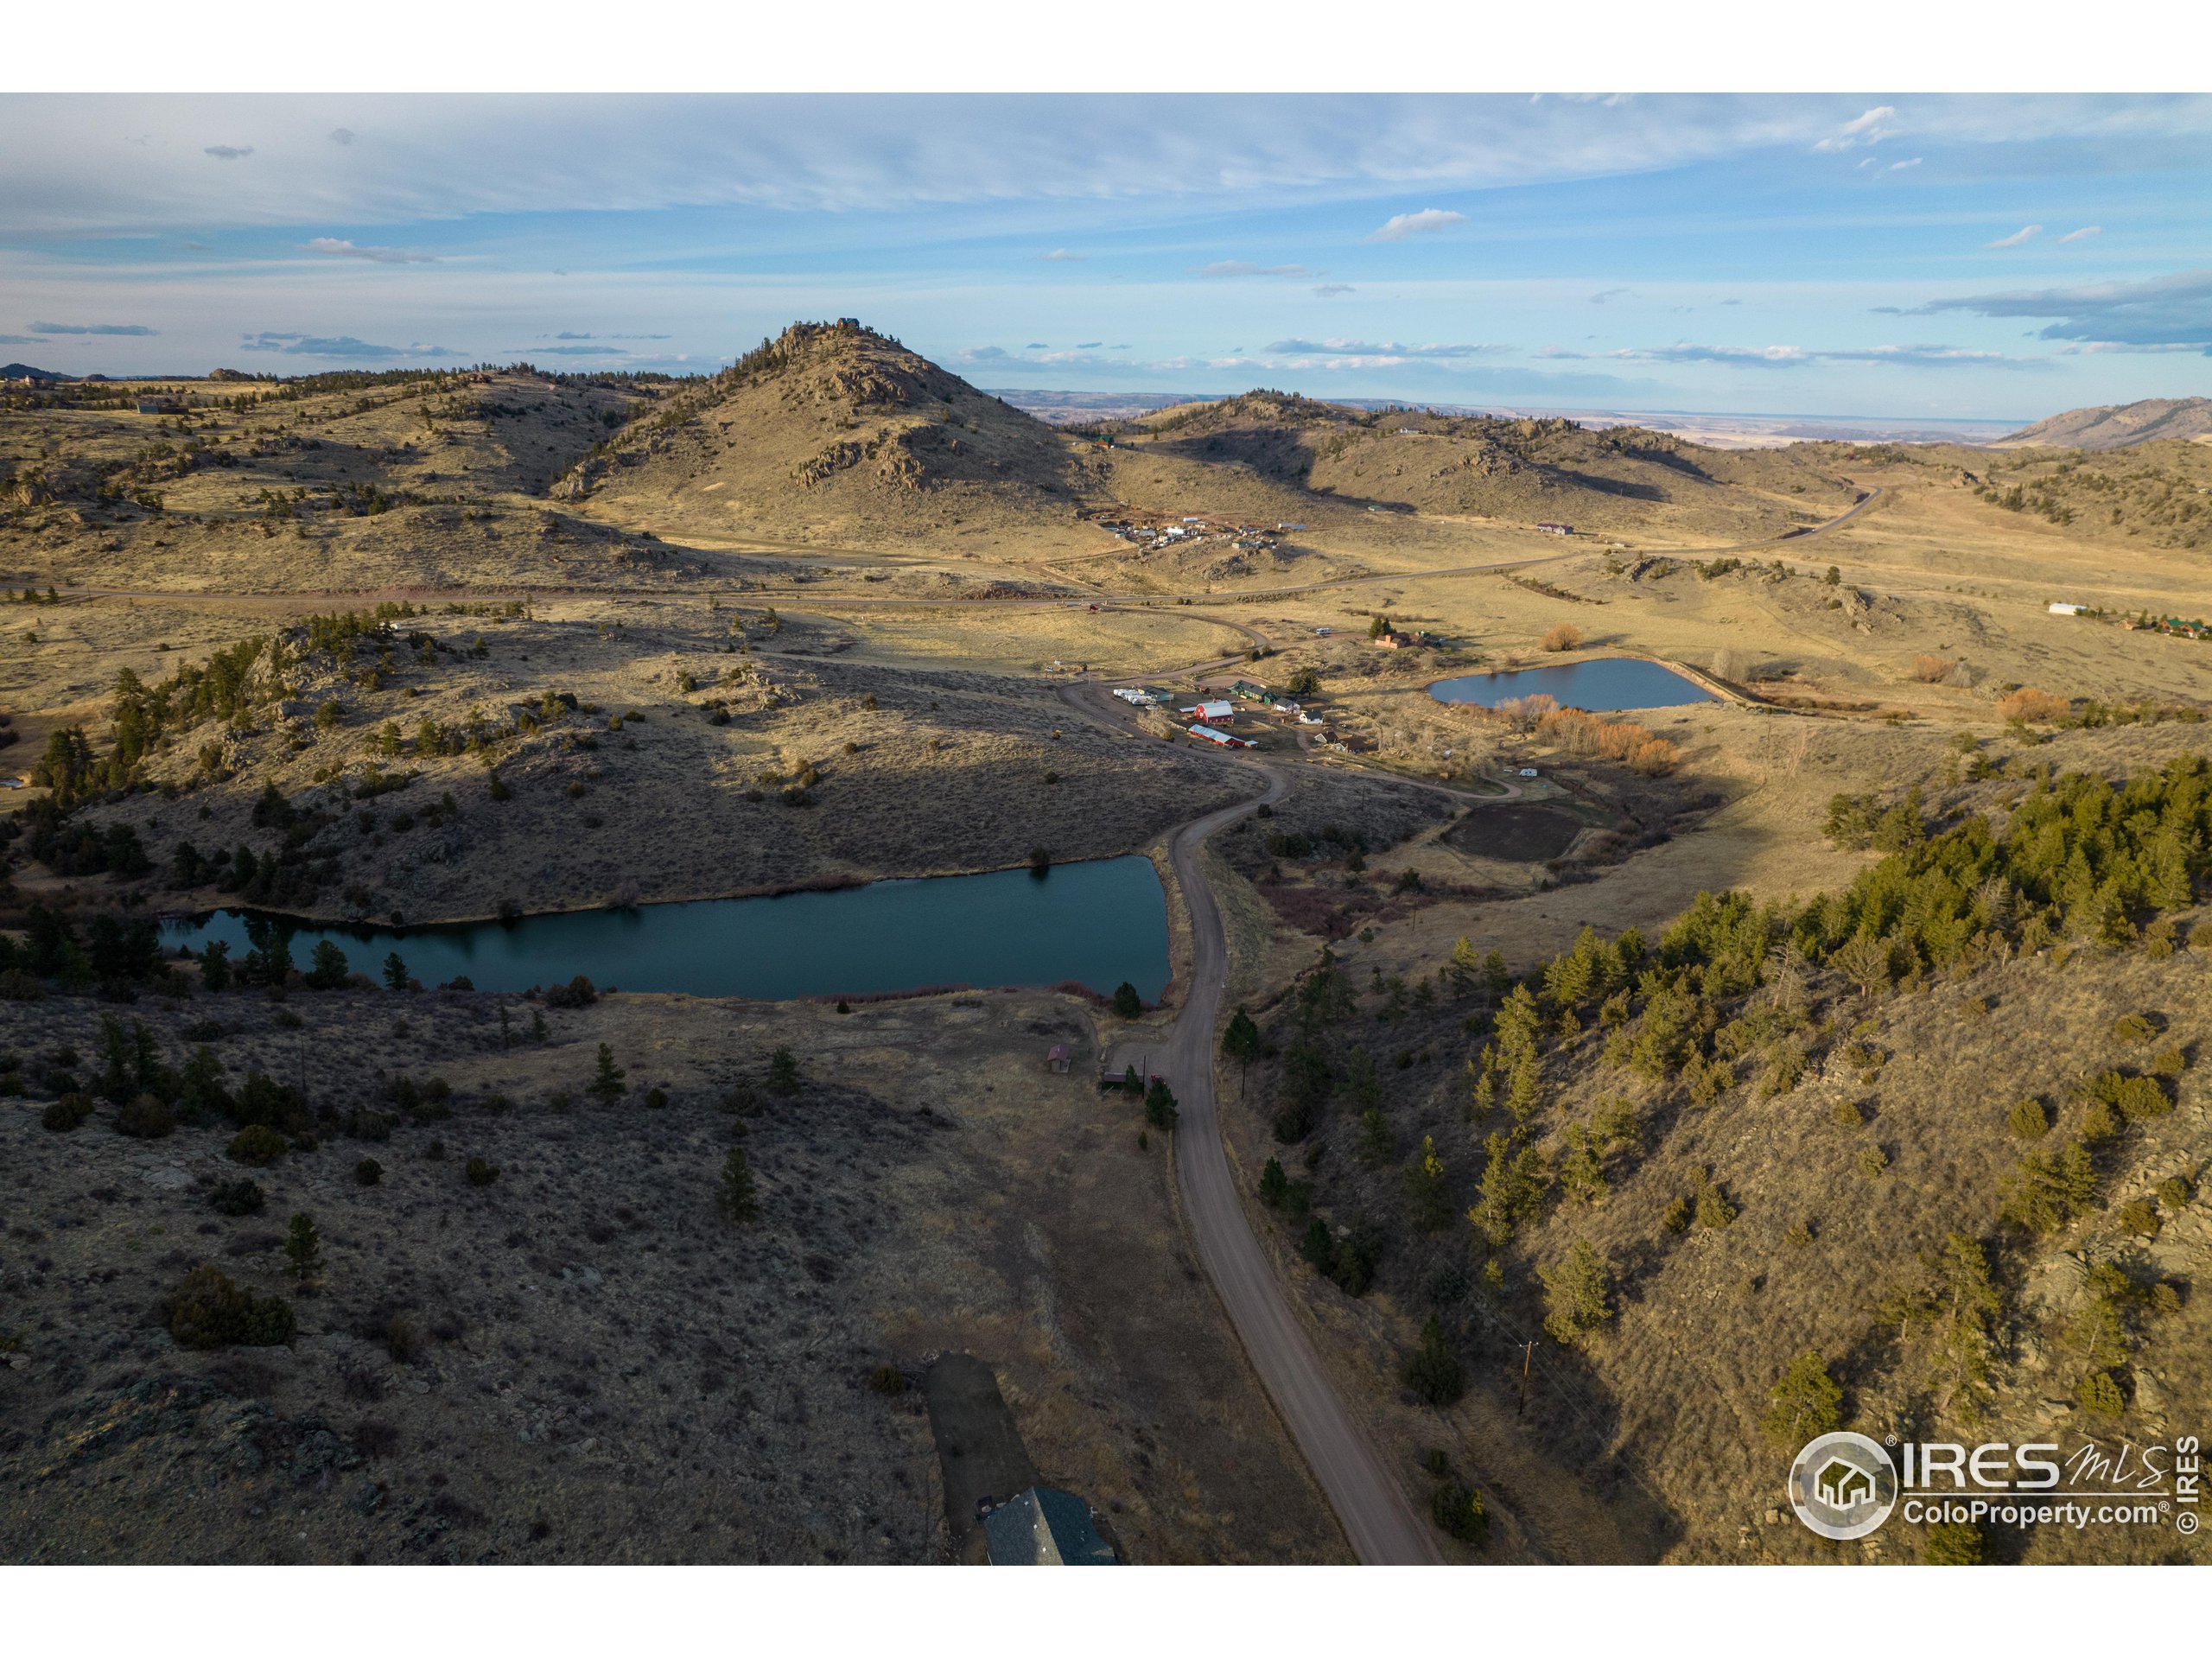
<point x="1528" y="1351"/>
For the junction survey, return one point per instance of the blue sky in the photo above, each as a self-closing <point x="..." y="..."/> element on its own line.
<point x="1988" y="256"/>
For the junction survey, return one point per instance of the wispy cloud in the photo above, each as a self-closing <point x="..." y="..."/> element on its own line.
<point x="1606" y="295"/>
<point x="1330" y="290"/>
<point x="2165" y="313"/>
<point x="338" y="248"/>
<point x="91" y="329"/>
<point x="2081" y="235"/>
<point x="570" y="333"/>
<point x="22" y="340"/>
<point x="1399" y="226"/>
<point x="2025" y="234"/>
<point x="1899" y="167"/>
<point x="1788" y="356"/>
<point x="1246" y="268"/>
<point x="338" y="346"/>
<point x="1062" y="256"/>
<point x="341" y="135"/>
<point x="228" y="152"/>
<point x="1868" y="129"/>
<point x="1387" y="351"/>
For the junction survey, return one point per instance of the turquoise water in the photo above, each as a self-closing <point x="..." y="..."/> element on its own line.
<point x="1603" y="685"/>
<point x="1098" y="923"/>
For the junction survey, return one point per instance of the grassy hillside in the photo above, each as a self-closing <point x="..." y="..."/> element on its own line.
<point x="832" y="428"/>
<point x="1942" y="1130"/>
<point x="2113" y="426"/>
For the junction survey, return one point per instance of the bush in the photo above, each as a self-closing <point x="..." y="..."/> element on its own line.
<point x="257" y="1145"/>
<point x="146" y="1117"/>
<point x="1435" y="1373"/>
<point x="1955" y="1543"/>
<point x="2029" y="704"/>
<point x="243" y="1196"/>
<point x="2134" y="1028"/>
<point x="887" y="1379"/>
<point x="1459" y="1511"/>
<point x="578" y="993"/>
<point x="67" y="1114"/>
<point x="208" y="1311"/>
<point x="368" y="1172"/>
<point x="1563" y="636"/>
<point x="2030" y="1121"/>
<point x="479" y="1173"/>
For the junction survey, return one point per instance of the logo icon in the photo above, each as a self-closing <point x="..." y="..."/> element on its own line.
<point x="1843" y="1485"/>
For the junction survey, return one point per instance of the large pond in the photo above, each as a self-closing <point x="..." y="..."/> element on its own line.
<point x="1098" y="923"/>
<point x="1602" y="685"/>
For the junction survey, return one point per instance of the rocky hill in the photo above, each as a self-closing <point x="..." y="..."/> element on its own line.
<point x="832" y="428"/>
<point x="2114" y="426"/>
<point x="1620" y="480"/>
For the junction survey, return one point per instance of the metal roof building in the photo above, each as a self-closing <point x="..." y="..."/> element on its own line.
<point x="1043" y="1527"/>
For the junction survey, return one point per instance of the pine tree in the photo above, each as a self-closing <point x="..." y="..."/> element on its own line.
<point x="1426" y="1201"/>
<point x="1160" y="1109"/>
<point x="1435" y="1373"/>
<point x="1578" y="1294"/>
<point x="782" y="1073"/>
<point x="1275" y="1186"/>
<point x="737" y="1196"/>
<point x="607" y="1080"/>
<point x="395" y="973"/>
<point x="303" y="1250"/>
<point x="1805" y="1403"/>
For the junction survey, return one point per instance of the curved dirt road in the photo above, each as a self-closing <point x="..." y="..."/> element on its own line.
<point x="1381" y="1525"/>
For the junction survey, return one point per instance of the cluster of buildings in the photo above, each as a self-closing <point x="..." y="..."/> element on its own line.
<point x="1212" y="716"/>
<point x="1194" y="529"/>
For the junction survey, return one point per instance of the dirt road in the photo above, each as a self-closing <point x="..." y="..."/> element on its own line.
<point x="1377" y="1519"/>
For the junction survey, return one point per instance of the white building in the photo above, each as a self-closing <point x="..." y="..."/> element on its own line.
<point x="2058" y="608"/>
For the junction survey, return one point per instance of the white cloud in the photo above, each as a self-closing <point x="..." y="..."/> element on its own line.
<point x="1246" y="268"/>
<point x="1899" y="167"/>
<point x="2025" y="234"/>
<point x="228" y="152"/>
<point x="2083" y="234"/>
<point x="339" y="248"/>
<point x="1869" y="129"/>
<point x="1399" y="226"/>
<point x="1062" y="256"/>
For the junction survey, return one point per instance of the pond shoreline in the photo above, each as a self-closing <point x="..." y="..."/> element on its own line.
<point x="1093" y="923"/>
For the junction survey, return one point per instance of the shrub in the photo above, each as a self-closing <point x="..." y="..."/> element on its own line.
<point x="2029" y="1119"/>
<point x="2029" y="704"/>
<point x="2100" y="1392"/>
<point x="578" y="993"/>
<point x="368" y="1172"/>
<point x="146" y="1117"/>
<point x="2176" y="1190"/>
<point x="1563" y="636"/>
<point x="479" y="1173"/>
<point x="1955" y="1543"/>
<point x="67" y="1113"/>
<point x="1458" y="1509"/>
<point x="257" y="1145"/>
<point x="2134" y="1028"/>
<point x="887" y="1379"/>
<point x="243" y="1196"/>
<point x="1435" y="1373"/>
<point x="209" y="1311"/>
<point x="403" y="1338"/>
<point x="1929" y="670"/>
<point x="303" y="1250"/>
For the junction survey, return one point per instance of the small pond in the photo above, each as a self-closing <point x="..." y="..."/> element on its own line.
<point x="1602" y="685"/>
<point x="1098" y="923"/>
